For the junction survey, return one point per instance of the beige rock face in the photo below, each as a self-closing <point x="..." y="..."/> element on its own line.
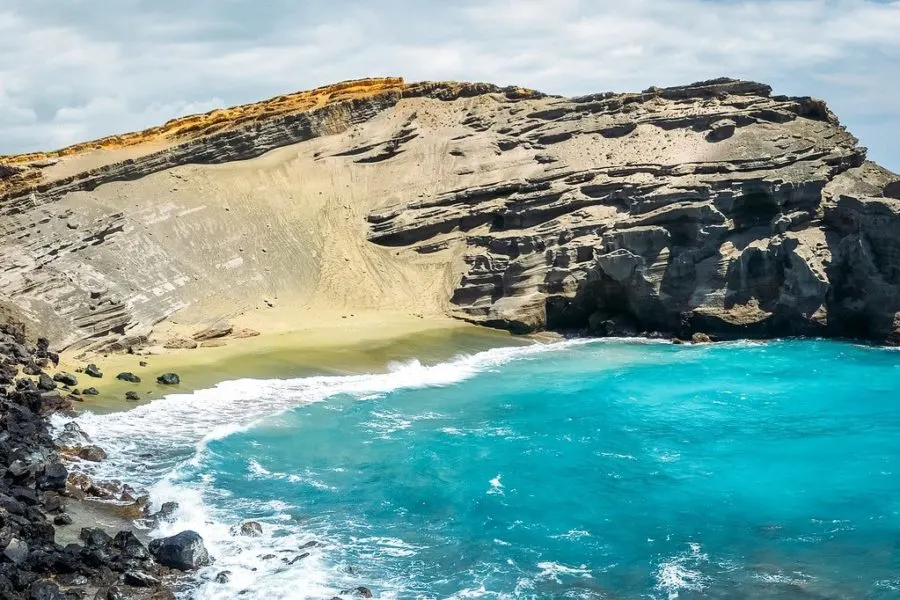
<point x="714" y="207"/>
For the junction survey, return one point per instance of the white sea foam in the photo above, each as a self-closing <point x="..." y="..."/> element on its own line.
<point x="496" y="486"/>
<point x="553" y="571"/>
<point x="155" y="444"/>
<point x="572" y="534"/>
<point x="257" y="469"/>
<point x="682" y="573"/>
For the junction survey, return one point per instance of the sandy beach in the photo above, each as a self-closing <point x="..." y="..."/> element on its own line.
<point x="363" y="343"/>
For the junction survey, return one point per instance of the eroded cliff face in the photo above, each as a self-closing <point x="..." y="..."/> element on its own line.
<point x="713" y="207"/>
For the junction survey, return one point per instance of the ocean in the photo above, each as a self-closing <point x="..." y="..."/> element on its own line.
<point x="582" y="469"/>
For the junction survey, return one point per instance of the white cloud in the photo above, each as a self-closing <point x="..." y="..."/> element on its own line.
<point x="75" y="70"/>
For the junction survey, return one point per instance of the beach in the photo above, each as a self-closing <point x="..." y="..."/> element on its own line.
<point x="367" y="342"/>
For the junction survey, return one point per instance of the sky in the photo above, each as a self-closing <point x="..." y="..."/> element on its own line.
<point x="73" y="70"/>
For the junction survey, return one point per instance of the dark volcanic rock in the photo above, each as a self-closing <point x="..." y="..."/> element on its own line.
<point x="130" y="546"/>
<point x="132" y="396"/>
<point x="129" y="377"/>
<point x="93" y="371"/>
<point x="65" y="378"/>
<point x="31" y="368"/>
<point x="168" y="379"/>
<point x="140" y="579"/>
<point x="45" y="590"/>
<point x="184" y="551"/>
<point x="95" y="538"/>
<point x="45" y="383"/>
<point x="92" y="453"/>
<point x="91" y="391"/>
<point x="16" y="551"/>
<point x="54" y="477"/>
<point x="250" y="528"/>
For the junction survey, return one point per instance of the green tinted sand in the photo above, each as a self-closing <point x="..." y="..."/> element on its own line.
<point x="297" y="354"/>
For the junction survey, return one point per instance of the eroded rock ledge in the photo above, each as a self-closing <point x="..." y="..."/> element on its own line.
<point x="783" y="228"/>
<point x="714" y="207"/>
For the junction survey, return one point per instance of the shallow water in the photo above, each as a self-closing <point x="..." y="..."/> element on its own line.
<point x="613" y="470"/>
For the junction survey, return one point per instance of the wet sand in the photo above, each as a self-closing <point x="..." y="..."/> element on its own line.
<point x="362" y="347"/>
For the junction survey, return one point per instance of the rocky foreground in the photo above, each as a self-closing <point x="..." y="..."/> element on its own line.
<point x="42" y="475"/>
<point x="37" y="485"/>
<point x="715" y="207"/>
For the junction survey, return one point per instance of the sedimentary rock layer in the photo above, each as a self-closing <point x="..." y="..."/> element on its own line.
<point x="714" y="207"/>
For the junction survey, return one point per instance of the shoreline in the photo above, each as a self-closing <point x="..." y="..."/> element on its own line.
<point x="53" y="545"/>
<point x="366" y="344"/>
<point x="292" y="354"/>
<point x="321" y="351"/>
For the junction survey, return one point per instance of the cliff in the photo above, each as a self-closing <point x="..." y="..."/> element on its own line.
<point x="714" y="207"/>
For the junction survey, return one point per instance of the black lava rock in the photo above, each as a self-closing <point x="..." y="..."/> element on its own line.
<point x="93" y="371"/>
<point x="168" y="379"/>
<point x="45" y="590"/>
<point x="46" y="383"/>
<point x="140" y="579"/>
<point x="94" y="537"/>
<point x="130" y="546"/>
<point x="54" y="477"/>
<point x="184" y="551"/>
<point x="65" y="378"/>
<point x="31" y="368"/>
<point x="129" y="377"/>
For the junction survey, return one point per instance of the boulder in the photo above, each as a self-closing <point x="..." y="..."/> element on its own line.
<point x="65" y="378"/>
<point x="180" y="344"/>
<point x="223" y="577"/>
<point x="700" y="338"/>
<point x="132" y="396"/>
<point x="25" y="385"/>
<point x="45" y="383"/>
<point x="72" y="435"/>
<point x="168" y="379"/>
<point x="94" y="537"/>
<point x="296" y="559"/>
<point x="91" y="391"/>
<point x="166" y="512"/>
<point x="16" y="551"/>
<point x="140" y="579"/>
<point x="92" y="453"/>
<point x="54" y="477"/>
<point x="93" y="371"/>
<point x="214" y="332"/>
<point x="45" y="590"/>
<point x="184" y="551"/>
<point x="361" y="592"/>
<point x="129" y="377"/>
<point x="62" y="520"/>
<point x="250" y="528"/>
<point x="111" y="593"/>
<point x="31" y="368"/>
<point x="130" y="546"/>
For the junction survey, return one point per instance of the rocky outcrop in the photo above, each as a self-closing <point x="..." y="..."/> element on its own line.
<point x="716" y="207"/>
<point x="37" y="486"/>
<point x="781" y="228"/>
<point x="184" y="551"/>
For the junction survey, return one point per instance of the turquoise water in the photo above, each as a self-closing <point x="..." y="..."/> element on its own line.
<point x="600" y="470"/>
